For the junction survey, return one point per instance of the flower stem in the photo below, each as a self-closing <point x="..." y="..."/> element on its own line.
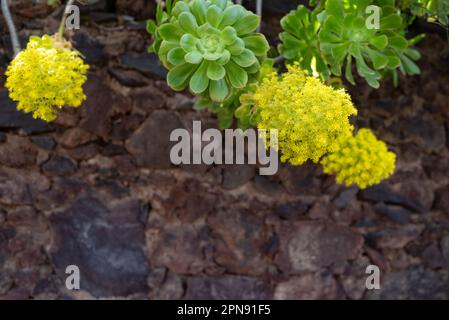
<point x="11" y="26"/>
<point x="64" y="18"/>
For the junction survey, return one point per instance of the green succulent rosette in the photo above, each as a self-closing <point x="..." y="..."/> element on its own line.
<point x="209" y="46"/>
<point x="345" y="40"/>
<point x="300" y="41"/>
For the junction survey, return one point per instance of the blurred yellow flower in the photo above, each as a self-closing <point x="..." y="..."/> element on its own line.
<point x="46" y="76"/>
<point x="361" y="159"/>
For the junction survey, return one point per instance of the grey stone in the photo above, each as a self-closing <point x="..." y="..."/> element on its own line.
<point x="11" y="118"/>
<point x="396" y="214"/>
<point x="146" y="63"/>
<point x="413" y="284"/>
<point x="59" y="165"/>
<point x="106" y="243"/>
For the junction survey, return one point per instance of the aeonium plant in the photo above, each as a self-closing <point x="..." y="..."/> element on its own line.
<point x="209" y="46"/>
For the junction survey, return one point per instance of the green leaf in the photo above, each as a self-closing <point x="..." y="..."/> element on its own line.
<point x="151" y="26"/>
<point x="237" y="47"/>
<point x="348" y="70"/>
<point x="187" y="21"/>
<point x="245" y="59"/>
<point x="193" y="57"/>
<point x="391" y="22"/>
<point x="229" y="35"/>
<point x="399" y="43"/>
<point x="178" y="77"/>
<point x="188" y="42"/>
<point x="169" y="32"/>
<point x="215" y="71"/>
<point x="225" y="57"/>
<point x="257" y="43"/>
<point x="231" y="15"/>
<point x="247" y="24"/>
<point x="214" y="15"/>
<point x="199" y="10"/>
<point x="218" y="90"/>
<point x="176" y="56"/>
<point x="380" y="42"/>
<point x="237" y="75"/>
<point x="199" y="81"/>
<point x="409" y="66"/>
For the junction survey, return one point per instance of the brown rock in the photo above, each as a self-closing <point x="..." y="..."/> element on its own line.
<point x="178" y="247"/>
<point x="75" y="137"/>
<point x="397" y="238"/>
<point x="150" y="144"/>
<point x="311" y="286"/>
<point x="240" y="238"/>
<point x="311" y="245"/>
<point x="21" y="187"/>
<point x="17" y="152"/>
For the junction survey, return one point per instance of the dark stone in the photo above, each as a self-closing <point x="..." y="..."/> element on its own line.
<point x="59" y="165"/>
<point x="424" y="131"/>
<point x="11" y="118"/>
<point x="91" y="49"/>
<point x="276" y="6"/>
<point x="346" y="198"/>
<point x="147" y="63"/>
<point x="2" y="136"/>
<point x="382" y="193"/>
<point x="396" y="214"/>
<point x="154" y="153"/>
<point x="240" y="235"/>
<point x="413" y="284"/>
<point x="235" y="176"/>
<point x="105" y="243"/>
<point x="227" y="288"/>
<point x="17" y="152"/>
<point x="102" y="101"/>
<point x="113" y="150"/>
<point x="129" y="78"/>
<point x="267" y="185"/>
<point x="442" y="199"/>
<point x="395" y="238"/>
<point x="290" y="211"/>
<point x="45" y="142"/>
<point x="3" y="60"/>
<point x="20" y="186"/>
<point x="310" y="286"/>
<point x="311" y="245"/>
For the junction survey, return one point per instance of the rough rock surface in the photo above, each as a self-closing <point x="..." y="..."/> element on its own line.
<point x="96" y="189"/>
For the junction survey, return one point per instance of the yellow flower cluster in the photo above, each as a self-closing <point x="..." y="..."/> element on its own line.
<point x="46" y="76"/>
<point x="309" y="115"/>
<point x="361" y="159"/>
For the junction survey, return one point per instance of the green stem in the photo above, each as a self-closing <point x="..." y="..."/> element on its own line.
<point x="64" y="18"/>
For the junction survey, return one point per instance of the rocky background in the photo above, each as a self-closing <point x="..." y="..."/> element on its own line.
<point x="96" y="188"/>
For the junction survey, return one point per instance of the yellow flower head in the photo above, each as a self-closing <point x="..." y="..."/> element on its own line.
<point x="362" y="159"/>
<point x="46" y="76"/>
<point x="308" y="114"/>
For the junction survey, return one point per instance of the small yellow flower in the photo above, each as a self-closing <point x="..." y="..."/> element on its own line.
<point x="308" y="114"/>
<point x="46" y="76"/>
<point x="361" y="159"/>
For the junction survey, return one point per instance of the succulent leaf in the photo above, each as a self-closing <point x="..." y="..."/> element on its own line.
<point x="209" y="46"/>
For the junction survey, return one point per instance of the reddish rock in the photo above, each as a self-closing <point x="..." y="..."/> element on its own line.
<point x="151" y="144"/>
<point x="310" y="246"/>
<point x="17" y="152"/>
<point x="240" y="237"/>
<point x="396" y="238"/>
<point x="75" y="137"/>
<point x="311" y="286"/>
